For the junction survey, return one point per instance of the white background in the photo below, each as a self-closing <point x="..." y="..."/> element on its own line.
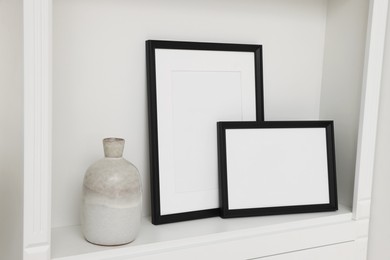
<point x="100" y="80"/>
<point x="99" y="49"/>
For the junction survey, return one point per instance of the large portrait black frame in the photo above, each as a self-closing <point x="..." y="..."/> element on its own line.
<point x="158" y="90"/>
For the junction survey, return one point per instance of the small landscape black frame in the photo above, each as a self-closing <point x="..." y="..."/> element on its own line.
<point x="226" y="212"/>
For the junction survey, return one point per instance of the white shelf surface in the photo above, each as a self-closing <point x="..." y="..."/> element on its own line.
<point x="68" y="242"/>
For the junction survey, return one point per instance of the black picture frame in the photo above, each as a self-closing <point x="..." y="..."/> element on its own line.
<point x="154" y="108"/>
<point x="234" y="131"/>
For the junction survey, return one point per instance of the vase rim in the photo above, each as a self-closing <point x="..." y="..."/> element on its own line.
<point x="113" y="139"/>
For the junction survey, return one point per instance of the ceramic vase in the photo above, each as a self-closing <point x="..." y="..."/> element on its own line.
<point x="112" y="198"/>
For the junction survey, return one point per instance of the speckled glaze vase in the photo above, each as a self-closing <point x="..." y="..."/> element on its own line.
<point x="112" y="198"/>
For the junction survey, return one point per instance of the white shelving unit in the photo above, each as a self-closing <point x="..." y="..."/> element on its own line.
<point x="195" y="239"/>
<point x="51" y="229"/>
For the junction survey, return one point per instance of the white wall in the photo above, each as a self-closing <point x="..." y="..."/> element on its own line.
<point x="100" y="80"/>
<point x="379" y="236"/>
<point x="342" y="83"/>
<point x="11" y="129"/>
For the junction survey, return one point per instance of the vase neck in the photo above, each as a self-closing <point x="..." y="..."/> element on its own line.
<point x="113" y="147"/>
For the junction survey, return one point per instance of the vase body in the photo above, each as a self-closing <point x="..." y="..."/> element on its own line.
<point x="112" y="198"/>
